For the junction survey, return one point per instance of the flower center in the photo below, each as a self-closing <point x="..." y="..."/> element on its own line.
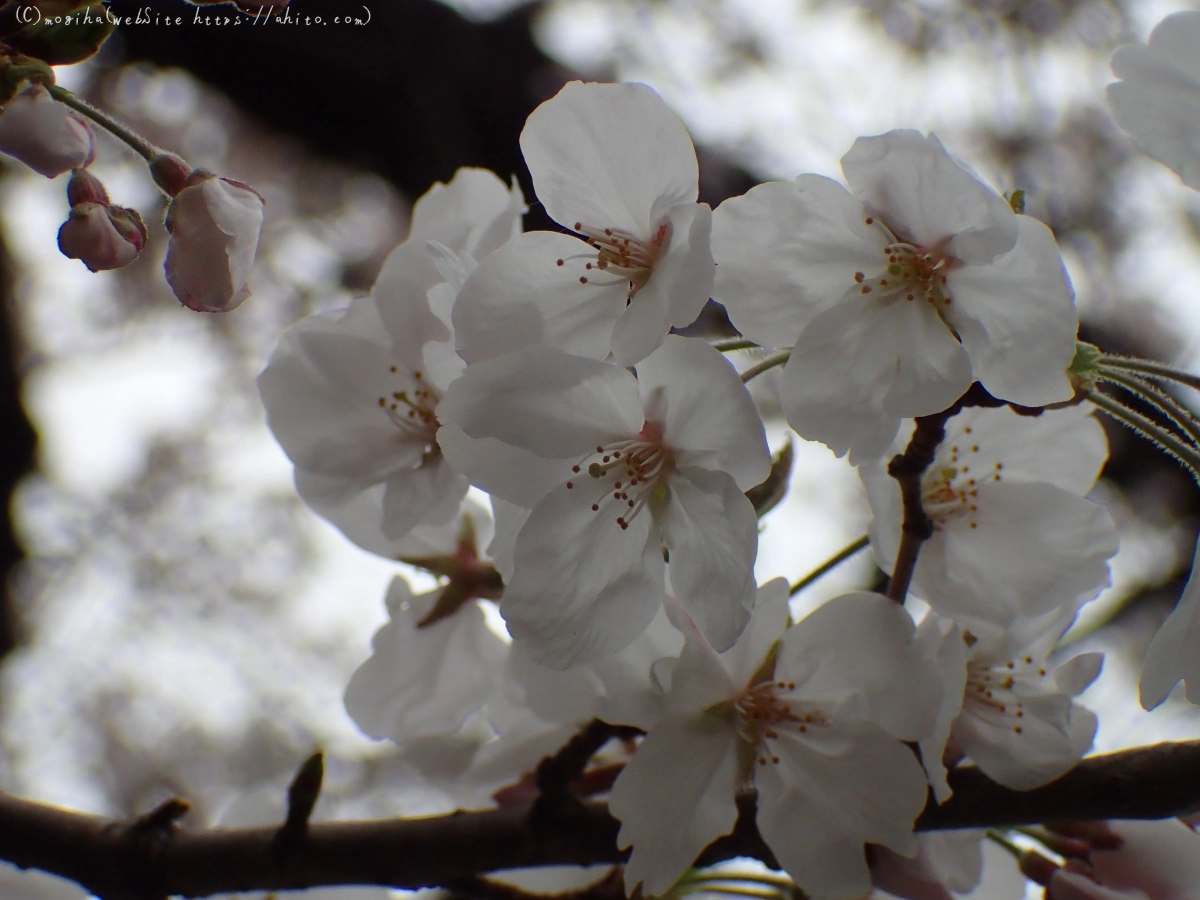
<point x="950" y="491"/>
<point x="620" y="254"/>
<point x="990" y="689"/>
<point x="763" y="710"/>
<point x="913" y="272"/>
<point x="630" y="473"/>
<point x="411" y="410"/>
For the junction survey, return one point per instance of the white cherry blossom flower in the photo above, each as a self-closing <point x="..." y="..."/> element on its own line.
<point x="813" y="716"/>
<point x="424" y="681"/>
<point x="1158" y="99"/>
<point x="1004" y="706"/>
<point x="612" y="163"/>
<point x="352" y="394"/>
<point x="615" y="469"/>
<point x="44" y="134"/>
<point x="1067" y="885"/>
<point x="946" y="862"/>
<point x="896" y="294"/>
<point x="1013" y="533"/>
<point x="1172" y="655"/>
<point x="1161" y="859"/>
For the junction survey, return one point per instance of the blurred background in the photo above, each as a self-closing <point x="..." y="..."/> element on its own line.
<point x="176" y="622"/>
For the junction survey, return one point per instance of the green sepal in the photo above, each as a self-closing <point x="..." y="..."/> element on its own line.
<point x="1084" y="370"/>
<point x="78" y="37"/>
<point x="1016" y="201"/>
<point x="767" y="495"/>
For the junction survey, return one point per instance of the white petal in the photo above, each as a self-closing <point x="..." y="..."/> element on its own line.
<point x="429" y="495"/>
<point x="520" y="296"/>
<point x="422" y="682"/>
<point x="670" y="812"/>
<point x="1033" y="547"/>
<point x="502" y="470"/>
<point x="1016" y="317"/>
<point x="864" y="643"/>
<point x="1063" y="447"/>
<point x="1158" y="102"/>
<point x="942" y="643"/>
<point x="474" y="213"/>
<point x="545" y="401"/>
<point x="510" y="519"/>
<point x="679" y="286"/>
<point x="583" y="588"/>
<point x="926" y="196"/>
<point x="1028" y="752"/>
<point x="1074" y="676"/>
<point x="1161" y="858"/>
<point x="712" y="533"/>
<point x="1068" y="885"/>
<point x="609" y="156"/>
<point x="768" y="620"/>
<point x="1172" y="654"/>
<point x="817" y="808"/>
<point x="786" y="251"/>
<point x="710" y="419"/>
<point x="863" y="365"/>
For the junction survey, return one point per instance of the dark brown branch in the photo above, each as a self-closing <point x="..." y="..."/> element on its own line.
<point x="907" y="468"/>
<point x="301" y="798"/>
<point x="556" y="774"/>
<point x="99" y="853"/>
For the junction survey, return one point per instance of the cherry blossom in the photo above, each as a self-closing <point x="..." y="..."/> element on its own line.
<point x="1158" y="99"/>
<point x="1004" y="706"/>
<point x="45" y="134"/>
<point x="1068" y="885"/>
<point x="214" y="225"/>
<point x="1161" y="859"/>
<point x="352" y="394"/>
<point x="946" y="861"/>
<point x="813" y="717"/>
<point x="615" y="165"/>
<point x="614" y="469"/>
<point x="1013" y="532"/>
<point x="1172" y="655"/>
<point x="424" y="679"/>
<point x="896" y="294"/>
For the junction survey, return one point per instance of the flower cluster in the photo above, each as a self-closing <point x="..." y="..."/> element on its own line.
<point x="214" y="222"/>
<point x="920" y="317"/>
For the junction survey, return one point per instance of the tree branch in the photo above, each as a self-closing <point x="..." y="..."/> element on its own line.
<point x="907" y="468"/>
<point x="108" y="858"/>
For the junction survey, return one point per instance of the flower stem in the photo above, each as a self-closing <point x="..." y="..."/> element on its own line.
<point x="775" y="359"/>
<point x="830" y="564"/>
<point x="139" y="144"/>
<point x="738" y="343"/>
<point x="1159" y="399"/>
<point x="997" y="838"/>
<point x="1166" y="441"/>
<point x="1156" y="370"/>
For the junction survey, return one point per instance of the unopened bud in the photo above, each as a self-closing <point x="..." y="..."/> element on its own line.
<point x="1036" y="867"/>
<point x="45" y="134"/>
<point x="102" y="237"/>
<point x="214" y="225"/>
<point x="84" y="187"/>
<point x="170" y="173"/>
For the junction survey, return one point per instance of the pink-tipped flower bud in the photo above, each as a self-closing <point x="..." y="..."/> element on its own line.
<point x="84" y="187"/>
<point x="45" y="134"/>
<point x="170" y="173"/>
<point x="214" y="225"/>
<point x="103" y="237"/>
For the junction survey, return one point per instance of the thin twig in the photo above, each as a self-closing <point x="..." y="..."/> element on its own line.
<point x="134" y="141"/>
<point x="555" y="774"/>
<point x="830" y="564"/>
<point x="907" y="468"/>
<point x="725" y="345"/>
<point x="775" y="359"/>
<point x="1135" y="421"/>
